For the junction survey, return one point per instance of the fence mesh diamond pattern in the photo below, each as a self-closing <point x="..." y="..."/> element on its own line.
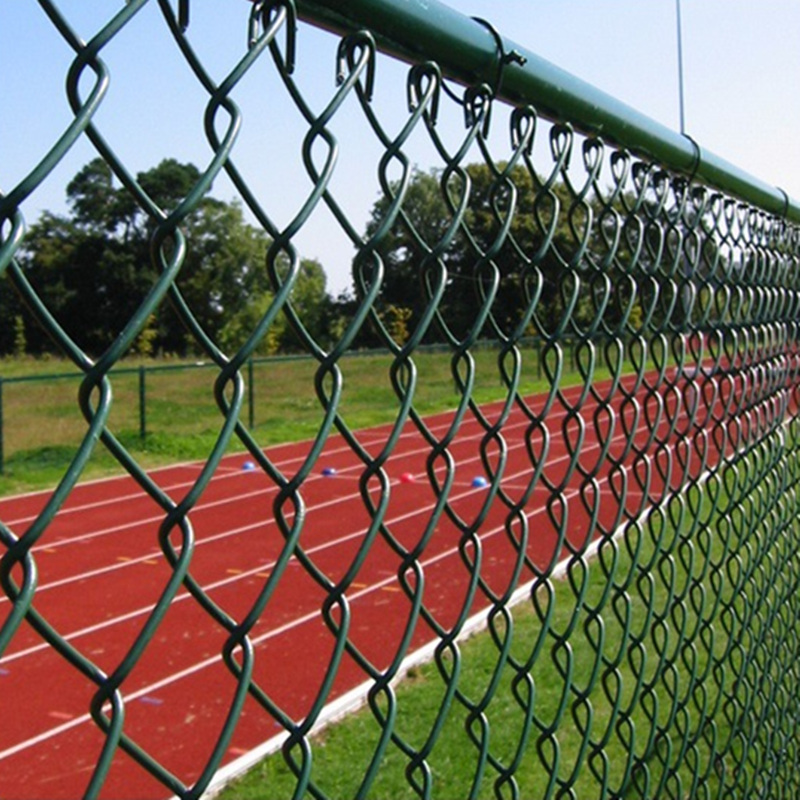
<point x="631" y="547"/>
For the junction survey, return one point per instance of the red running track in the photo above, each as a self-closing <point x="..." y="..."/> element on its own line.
<point x="101" y="571"/>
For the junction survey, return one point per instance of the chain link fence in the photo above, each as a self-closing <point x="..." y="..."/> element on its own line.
<point x="649" y="489"/>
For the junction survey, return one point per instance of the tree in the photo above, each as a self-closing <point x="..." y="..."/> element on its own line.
<point x="422" y="224"/>
<point x="395" y="320"/>
<point x="93" y="267"/>
<point x="12" y="336"/>
<point x="485" y="264"/>
<point x="223" y="273"/>
<point x="308" y="300"/>
<point x="89" y="281"/>
<point x="97" y="205"/>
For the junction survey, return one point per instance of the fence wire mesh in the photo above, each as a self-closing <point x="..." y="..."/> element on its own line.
<point x="632" y="544"/>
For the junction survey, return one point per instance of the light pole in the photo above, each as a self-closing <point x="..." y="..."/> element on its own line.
<point x="680" y="65"/>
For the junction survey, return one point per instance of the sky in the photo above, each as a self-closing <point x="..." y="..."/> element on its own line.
<point x="741" y="64"/>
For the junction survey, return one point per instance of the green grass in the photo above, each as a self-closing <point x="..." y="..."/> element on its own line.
<point x="659" y="592"/>
<point x="43" y="425"/>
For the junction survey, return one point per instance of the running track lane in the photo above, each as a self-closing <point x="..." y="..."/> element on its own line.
<point x="101" y="571"/>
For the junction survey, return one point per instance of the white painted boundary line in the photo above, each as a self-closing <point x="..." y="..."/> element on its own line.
<point x="397" y="518"/>
<point x="216" y="658"/>
<point x="204" y="506"/>
<point x="356" y="698"/>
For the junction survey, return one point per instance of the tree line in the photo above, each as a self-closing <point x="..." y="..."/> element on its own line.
<point x="93" y="267"/>
<point x="463" y="241"/>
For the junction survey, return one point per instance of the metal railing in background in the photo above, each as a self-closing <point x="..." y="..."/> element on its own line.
<point x="150" y="380"/>
<point x="50" y="380"/>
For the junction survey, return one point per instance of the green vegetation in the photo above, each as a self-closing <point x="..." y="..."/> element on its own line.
<point x="639" y="650"/>
<point x="93" y="268"/>
<point x="43" y="424"/>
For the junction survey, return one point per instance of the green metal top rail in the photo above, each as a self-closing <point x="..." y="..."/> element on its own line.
<point x="469" y="51"/>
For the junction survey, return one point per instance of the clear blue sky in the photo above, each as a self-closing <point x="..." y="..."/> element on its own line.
<point x="741" y="65"/>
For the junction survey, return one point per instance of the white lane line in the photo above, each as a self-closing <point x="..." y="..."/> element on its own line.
<point x="399" y="518"/>
<point x="274" y="632"/>
<point x="282" y="464"/>
<point x="255" y="641"/>
<point x="213" y="504"/>
<point x="225" y="473"/>
<point x="265" y="522"/>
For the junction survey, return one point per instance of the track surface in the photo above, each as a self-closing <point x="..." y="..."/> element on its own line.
<point x="101" y="571"/>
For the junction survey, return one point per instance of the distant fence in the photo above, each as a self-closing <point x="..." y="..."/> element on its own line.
<point x="631" y="544"/>
<point x="141" y="374"/>
<point x="26" y="411"/>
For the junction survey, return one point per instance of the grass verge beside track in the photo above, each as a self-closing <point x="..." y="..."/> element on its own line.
<point x="685" y="727"/>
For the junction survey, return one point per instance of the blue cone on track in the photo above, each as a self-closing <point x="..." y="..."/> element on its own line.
<point x="329" y="471"/>
<point x="248" y="466"/>
<point x="480" y="482"/>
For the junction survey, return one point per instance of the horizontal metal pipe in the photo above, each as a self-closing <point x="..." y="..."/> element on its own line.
<point x="467" y="51"/>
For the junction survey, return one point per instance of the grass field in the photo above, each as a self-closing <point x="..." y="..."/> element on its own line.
<point x="650" y="676"/>
<point x="43" y="424"/>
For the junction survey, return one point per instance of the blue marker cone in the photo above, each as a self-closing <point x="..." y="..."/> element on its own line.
<point x="480" y="482"/>
<point x="248" y="466"/>
<point x="328" y="471"/>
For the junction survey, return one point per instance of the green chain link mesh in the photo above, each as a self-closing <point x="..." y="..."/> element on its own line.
<point x="674" y="315"/>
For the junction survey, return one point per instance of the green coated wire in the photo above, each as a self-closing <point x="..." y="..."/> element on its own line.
<point x="657" y="650"/>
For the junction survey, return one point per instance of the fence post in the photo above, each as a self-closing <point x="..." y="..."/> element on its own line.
<point x="2" y="448"/>
<point x="250" y="395"/>
<point x="539" y="351"/>
<point x="142" y="404"/>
